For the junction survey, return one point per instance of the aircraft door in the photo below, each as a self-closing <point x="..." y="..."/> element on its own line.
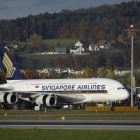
<point x="27" y="85"/>
<point x="109" y="91"/>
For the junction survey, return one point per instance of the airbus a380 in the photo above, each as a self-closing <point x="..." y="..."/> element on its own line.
<point x="51" y="92"/>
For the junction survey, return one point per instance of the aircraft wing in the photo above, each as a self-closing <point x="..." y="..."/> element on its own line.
<point x="61" y="98"/>
<point x="67" y="98"/>
<point x="28" y="93"/>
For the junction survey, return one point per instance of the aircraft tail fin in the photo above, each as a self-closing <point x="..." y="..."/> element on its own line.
<point x="8" y="66"/>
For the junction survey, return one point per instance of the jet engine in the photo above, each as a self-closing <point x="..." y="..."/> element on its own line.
<point x="138" y="96"/>
<point x="49" y="100"/>
<point x="8" y="97"/>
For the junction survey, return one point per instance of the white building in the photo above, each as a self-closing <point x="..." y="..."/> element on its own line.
<point x="84" y="44"/>
<point x="78" y="50"/>
<point x="94" y="47"/>
<point x="121" y="72"/>
<point x="104" y="44"/>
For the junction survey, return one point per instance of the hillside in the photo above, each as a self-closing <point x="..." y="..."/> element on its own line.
<point x="103" y="22"/>
<point x="106" y="22"/>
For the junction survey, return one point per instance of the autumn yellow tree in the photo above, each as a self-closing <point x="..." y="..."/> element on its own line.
<point x="28" y="74"/>
<point x="88" y="73"/>
<point x="79" y="75"/>
<point x="110" y="74"/>
<point x="35" y="39"/>
<point x="70" y="76"/>
<point x="102" y="72"/>
<point x="120" y="39"/>
<point x="36" y="75"/>
<point x="43" y="76"/>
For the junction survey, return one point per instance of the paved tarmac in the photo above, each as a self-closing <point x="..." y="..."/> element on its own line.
<point x="72" y="124"/>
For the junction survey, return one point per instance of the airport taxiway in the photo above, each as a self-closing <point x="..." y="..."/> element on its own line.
<point x="72" y="124"/>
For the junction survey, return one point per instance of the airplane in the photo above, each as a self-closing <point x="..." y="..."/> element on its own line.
<point x="51" y="92"/>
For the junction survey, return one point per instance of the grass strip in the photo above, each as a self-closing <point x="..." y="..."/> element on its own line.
<point x="29" y="112"/>
<point x="71" y="117"/>
<point x="38" y="134"/>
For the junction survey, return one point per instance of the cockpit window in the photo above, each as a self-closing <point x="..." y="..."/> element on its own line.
<point x="119" y="88"/>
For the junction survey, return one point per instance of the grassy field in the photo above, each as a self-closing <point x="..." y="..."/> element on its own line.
<point x="55" y="41"/>
<point x="68" y="111"/>
<point x="50" y="42"/>
<point x="38" y="134"/>
<point x="62" y="134"/>
<point x="42" y="57"/>
<point x="69" y="115"/>
<point x="48" y="60"/>
<point x="62" y="41"/>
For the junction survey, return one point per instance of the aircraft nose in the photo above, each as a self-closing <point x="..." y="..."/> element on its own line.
<point x="126" y="95"/>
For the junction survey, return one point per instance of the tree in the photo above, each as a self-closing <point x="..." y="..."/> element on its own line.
<point x="35" y="75"/>
<point x="109" y="62"/>
<point x="58" y="62"/>
<point x="42" y="47"/>
<point x="102" y="72"/>
<point x="35" y="39"/>
<point x="120" y="39"/>
<point x="101" y="35"/>
<point x="58" y="44"/>
<point x="28" y="74"/>
<point x="79" y="75"/>
<point x="88" y="73"/>
<point x="43" y="76"/>
<point x="13" y="54"/>
<point x="110" y="74"/>
<point x="129" y="34"/>
<point x="77" y="61"/>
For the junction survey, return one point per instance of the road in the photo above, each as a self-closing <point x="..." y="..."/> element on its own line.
<point x="73" y="124"/>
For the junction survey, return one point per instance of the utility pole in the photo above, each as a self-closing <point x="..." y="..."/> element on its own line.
<point x="132" y="30"/>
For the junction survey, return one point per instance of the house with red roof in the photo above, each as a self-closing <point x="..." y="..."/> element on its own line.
<point x="104" y="44"/>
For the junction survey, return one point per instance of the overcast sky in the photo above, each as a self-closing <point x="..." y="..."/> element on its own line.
<point x="12" y="9"/>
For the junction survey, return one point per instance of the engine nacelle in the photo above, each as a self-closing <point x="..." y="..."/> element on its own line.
<point x="49" y="100"/>
<point x="138" y="95"/>
<point x="7" y="97"/>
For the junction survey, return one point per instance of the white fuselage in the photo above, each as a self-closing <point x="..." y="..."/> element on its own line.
<point x="93" y="89"/>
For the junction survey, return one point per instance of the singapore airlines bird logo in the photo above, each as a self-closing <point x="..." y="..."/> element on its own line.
<point x="8" y="65"/>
